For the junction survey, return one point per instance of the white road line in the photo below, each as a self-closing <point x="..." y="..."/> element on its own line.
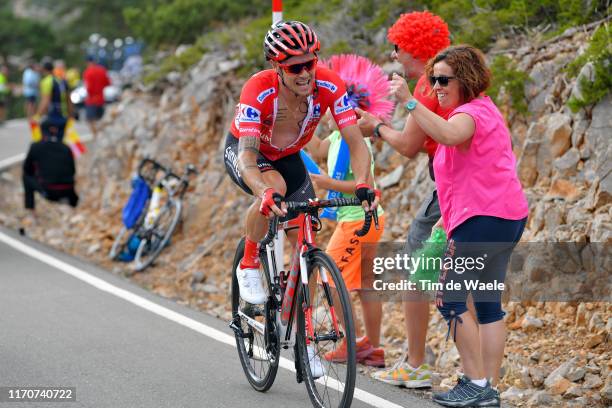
<point x="11" y="161"/>
<point x="159" y="310"/>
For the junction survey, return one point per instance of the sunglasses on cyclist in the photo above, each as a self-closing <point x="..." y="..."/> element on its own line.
<point x="442" y="80"/>
<point x="298" y="68"/>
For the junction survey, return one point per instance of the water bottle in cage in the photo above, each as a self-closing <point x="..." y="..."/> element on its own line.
<point x="153" y="207"/>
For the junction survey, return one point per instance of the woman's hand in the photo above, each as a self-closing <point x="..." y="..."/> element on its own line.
<point x="399" y="88"/>
<point x="367" y="122"/>
<point x="439" y="224"/>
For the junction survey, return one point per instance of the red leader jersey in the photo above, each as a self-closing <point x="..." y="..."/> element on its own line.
<point x="256" y="112"/>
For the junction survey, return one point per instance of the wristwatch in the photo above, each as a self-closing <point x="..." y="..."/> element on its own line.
<point x="411" y="105"/>
<point x="377" y="129"/>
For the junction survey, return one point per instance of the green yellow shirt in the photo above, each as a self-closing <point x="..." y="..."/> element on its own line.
<point x="346" y="213"/>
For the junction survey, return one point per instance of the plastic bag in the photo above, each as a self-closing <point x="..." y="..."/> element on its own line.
<point x="431" y="255"/>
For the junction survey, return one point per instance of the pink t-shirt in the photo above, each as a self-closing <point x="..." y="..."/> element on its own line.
<point x="481" y="180"/>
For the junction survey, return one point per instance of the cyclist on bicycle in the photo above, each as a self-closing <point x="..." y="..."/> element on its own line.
<point x="278" y="112"/>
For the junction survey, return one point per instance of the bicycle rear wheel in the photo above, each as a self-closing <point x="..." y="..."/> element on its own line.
<point x="251" y="324"/>
<point x="336" y="387"/>
<point x="158" y="237"/>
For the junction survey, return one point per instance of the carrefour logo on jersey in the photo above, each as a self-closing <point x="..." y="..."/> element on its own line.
<point x="249" y="114"/>
<point x="342" y="104"/>
<point x="328" y="85"/>
<point x="316" y="111"/>
<point x="262" y="96"/>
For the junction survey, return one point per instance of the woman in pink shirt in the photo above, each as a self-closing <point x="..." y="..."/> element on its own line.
<point x="484" y="211"/>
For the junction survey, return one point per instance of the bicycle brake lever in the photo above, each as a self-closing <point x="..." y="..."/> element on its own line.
<point x="375" y="216"/>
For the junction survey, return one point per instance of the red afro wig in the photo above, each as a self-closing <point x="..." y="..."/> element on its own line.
<point x="420" y="33"/>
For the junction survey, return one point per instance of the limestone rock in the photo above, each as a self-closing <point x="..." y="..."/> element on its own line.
<point x="574" y="391"/>
<point x="587" y="72"/>
<point x="558" y="134"/>
<point x="592" y="381"/>
<point x="391" y="179"/>
<point x="559" y="386"/>
<point x="576" y="374"/>
<point x="566" y="164"/>
<point x="530" y="324"/>
<point x="593" y="340"/>
<point x="564" y="189"/>
<point x="540" y="398"/>
<point x="515" y="394"/>
<point x="606" y="392"/>
<point x="537" y="375"/>
<point x="559" y="372"/>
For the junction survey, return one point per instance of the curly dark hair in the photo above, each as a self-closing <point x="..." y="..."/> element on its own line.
<point x="469" y="67"/>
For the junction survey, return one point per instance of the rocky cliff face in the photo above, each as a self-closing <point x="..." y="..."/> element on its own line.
<point x="563" y="162"/>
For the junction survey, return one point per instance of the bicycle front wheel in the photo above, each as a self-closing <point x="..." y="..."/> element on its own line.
<point x="330" y="383"/>
<point x="252" y="324"/>
<point x="119" y="244"/>
<point x="156" y="239"/>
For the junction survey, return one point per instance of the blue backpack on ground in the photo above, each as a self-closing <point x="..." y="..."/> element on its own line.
<point x="141" y="192"/>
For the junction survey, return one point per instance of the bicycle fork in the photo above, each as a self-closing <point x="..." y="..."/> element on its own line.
<point x="307" y="306"/>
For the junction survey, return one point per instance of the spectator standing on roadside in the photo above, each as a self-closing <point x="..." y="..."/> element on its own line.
<point x="353" y="255"/>
<point x="4" y="92"/>
<point x="73" y="77"/>
<point x="31" y="88"/>
<point x="484" y="212"/>
<point x="59" y="69"/>
<point x="417" y="37"/>
<point x="55" y="107"/>
<point x="96" y="79"/>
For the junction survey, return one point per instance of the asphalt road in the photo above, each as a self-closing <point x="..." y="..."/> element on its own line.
<point x="64" y="322"/>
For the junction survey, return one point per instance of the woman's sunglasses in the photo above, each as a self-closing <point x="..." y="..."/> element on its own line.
<point x="442" y="80"/>
<point x="298" y="68"/>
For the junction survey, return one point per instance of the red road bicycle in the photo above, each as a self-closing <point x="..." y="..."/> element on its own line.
<point x="301" y="310"/>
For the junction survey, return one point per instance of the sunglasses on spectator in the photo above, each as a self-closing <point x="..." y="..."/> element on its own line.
<point x="298" y="68"/>
<point x="442" y="80"/>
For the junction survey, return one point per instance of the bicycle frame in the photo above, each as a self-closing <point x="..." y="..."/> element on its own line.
<point x="286" y="298"/>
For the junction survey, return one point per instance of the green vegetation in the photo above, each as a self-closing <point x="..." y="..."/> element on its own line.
<point x="599" y="53"/>
<point x="20" y="34"/>
<point x="183" y="21"/>
<point x="506" y="76"/>
<point x="181" y="62"/>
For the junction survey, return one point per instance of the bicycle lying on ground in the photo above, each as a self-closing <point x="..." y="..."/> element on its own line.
<point x="300" y="311"/>
<point x="155" y="226"/>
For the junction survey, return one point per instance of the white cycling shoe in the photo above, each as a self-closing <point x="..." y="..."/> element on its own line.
<point x="251" y="288"/>
<point x="316" y="366"/>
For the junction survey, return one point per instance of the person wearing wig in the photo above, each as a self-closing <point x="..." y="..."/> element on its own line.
<point x="367" y="88"/>
<point x="416" y="37"/>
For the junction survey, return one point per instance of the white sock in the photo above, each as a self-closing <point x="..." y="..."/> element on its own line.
<point x="481" y="383"/>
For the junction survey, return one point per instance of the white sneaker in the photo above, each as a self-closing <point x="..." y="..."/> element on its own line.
<point x="249" y="282"/>
<point x="316" y="367"/>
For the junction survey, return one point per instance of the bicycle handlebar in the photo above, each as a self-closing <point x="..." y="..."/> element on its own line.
<point x="308" y="206"/>
<point x="168" y="173"/>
